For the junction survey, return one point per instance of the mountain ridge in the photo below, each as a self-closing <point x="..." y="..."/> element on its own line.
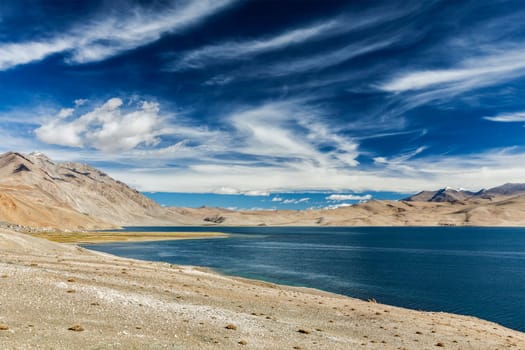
<point x="37" y="192"/>
<point x="35" y="189"/>
<point x="448" y="194"/>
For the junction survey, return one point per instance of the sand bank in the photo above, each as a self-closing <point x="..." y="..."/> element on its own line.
<point x="57" y="296"/>
<point x="118" y="236"/>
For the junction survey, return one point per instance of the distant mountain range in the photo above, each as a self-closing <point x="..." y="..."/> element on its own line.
<point x="451" y="195"/>
<point x="37" y="193"/>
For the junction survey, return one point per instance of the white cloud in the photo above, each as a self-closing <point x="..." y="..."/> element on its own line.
<point x="237" y="50"/>
<point x="79" y="102"/>
<point x="240" y="49"/>
<point x="311" y="63"/>
<point x="472" y="72"/>
<point x="295" y="201"/>
<point x="108" y="36"/>
<point x="490" y="53"/>
<point x="348" y="197"/>
<point x="339" y="205"/>
<point x="250" y="193"/>
<point x="475" y="171"/>
<point x="226" y="190"/>
<point x="508" y="117"/>
<point x="277" y="146"/>
<point x="284" y="139"/>
<point x="286" y="134"/>
<point x="13" y="54"/>
<point x="401" y="158"/>
<point x="290" y="130"/>
<point x="325" y="59"/>
<point x="65" y="112"/>
<point x="107" y="128"/>
<point x="257" y="193"/>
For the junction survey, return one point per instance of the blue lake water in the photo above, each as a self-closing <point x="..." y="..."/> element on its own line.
<point x="470" y="271"/>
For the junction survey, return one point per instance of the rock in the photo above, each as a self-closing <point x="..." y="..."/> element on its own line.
<point x="76" y="328"/>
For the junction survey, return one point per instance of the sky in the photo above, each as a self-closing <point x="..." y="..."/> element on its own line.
<point x="257" y="99"/>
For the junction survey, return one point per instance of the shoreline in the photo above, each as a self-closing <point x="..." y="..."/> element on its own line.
<point x="48" y="288"/>
<point x="100" y="237"/>
<point x="319" y="287"/>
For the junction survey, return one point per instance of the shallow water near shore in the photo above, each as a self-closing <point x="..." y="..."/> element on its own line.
<point x="465" y="270"/>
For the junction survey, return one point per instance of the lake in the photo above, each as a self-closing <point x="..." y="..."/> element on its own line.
<point x="465" y="270"/>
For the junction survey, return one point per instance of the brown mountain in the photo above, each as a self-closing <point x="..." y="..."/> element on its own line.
<point x="508" y="189"/>
<point x="442" y="195"/>
<point x="460" y="196"/>
<point x="35" y="191"/>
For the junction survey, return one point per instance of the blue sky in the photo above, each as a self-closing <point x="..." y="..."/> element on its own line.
<point x="269" y="201"/>
<point x="269" y="97"/>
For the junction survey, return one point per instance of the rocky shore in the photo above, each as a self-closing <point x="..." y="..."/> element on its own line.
<point x="56" y="296"/>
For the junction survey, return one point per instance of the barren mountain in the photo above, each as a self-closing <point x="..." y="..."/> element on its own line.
<point x="479" y="212"/>
<point x="453" y="195"/>
<point x="498" y="206"/>
<point x="508" y="189"/>
<point x="446" y="194"/>
<point x="37" y="192"/>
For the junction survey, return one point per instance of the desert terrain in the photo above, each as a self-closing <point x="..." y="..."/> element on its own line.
<point x="57" y="296"/>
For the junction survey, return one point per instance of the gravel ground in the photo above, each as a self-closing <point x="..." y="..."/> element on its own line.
<point x="56" y="296"/>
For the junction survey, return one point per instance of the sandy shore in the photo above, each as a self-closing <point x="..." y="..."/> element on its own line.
<point x="56" y="296"/>
<point x="119" y="236"/>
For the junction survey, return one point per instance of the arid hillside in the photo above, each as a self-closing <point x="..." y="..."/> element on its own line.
<point x="499" y="206"/>
<point x="37" y="192"/>
<point x="499" y="211"/>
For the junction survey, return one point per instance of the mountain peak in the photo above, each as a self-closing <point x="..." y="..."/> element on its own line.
<point x="40" y="156"/>
<point x="41" y="192"/>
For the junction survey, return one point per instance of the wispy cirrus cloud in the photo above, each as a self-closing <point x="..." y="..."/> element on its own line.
<point x="283" y="133"/>
<point x="507" y="117"/>
<point x="456" y="68"/>
<point x="213" y="54"/>
<point x="473" y="72"/>
<point x="108" y="36"/>
<point x="291" y="130"/>
<point x="321" y="30"/>
<point x="477" y="171"/>
<point x="401" y="158"/>
<point x="312" y="63"/>
<point x="285" y="136"/>
<point x="323" y="60"/>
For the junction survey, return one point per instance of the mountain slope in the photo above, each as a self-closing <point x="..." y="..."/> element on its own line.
<point x="508" y="189"/>
<point x="446" y="194"/>
<point x="36" y="191"/>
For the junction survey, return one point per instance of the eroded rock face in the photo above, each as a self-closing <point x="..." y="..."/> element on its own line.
<point x="35" y="191"/>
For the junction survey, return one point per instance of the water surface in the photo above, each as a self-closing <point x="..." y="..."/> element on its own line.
<point x="470" y="271"/>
